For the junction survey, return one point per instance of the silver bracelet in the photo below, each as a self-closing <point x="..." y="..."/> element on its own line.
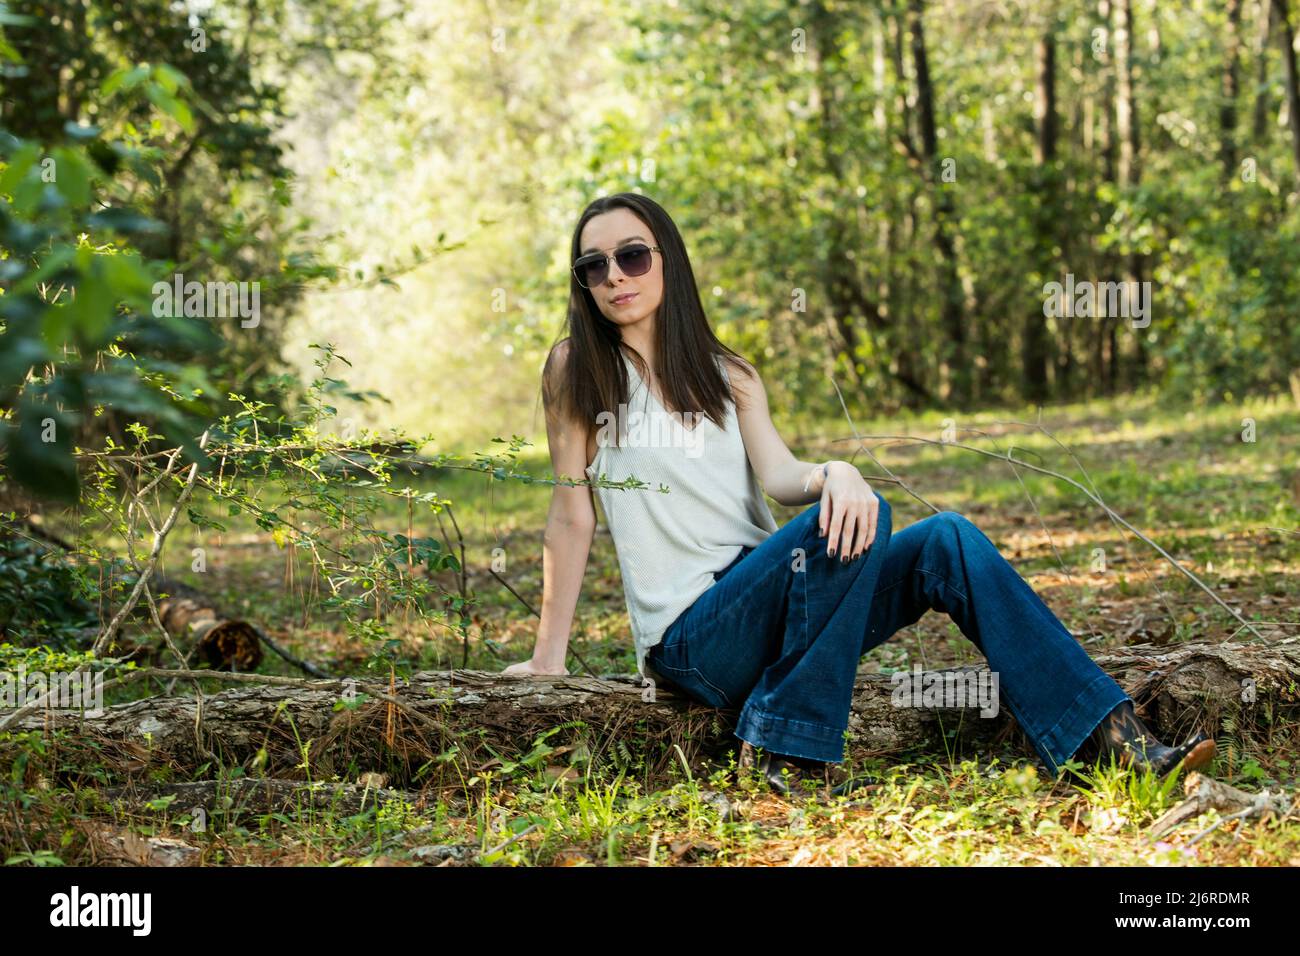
<point x="826" y="470"/>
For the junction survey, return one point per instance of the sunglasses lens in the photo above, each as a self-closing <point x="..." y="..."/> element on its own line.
<point x="634" y="261"/>
<point x="591" y="273"/>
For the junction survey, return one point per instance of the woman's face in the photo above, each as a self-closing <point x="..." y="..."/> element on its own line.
<point x="607" y="233"/>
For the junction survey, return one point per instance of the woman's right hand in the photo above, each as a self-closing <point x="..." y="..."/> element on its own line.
<point x="530" y="666"/>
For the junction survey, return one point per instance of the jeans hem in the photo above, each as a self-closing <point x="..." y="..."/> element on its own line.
<point x="1080" y="719"/>
<point x="795" y="738"/>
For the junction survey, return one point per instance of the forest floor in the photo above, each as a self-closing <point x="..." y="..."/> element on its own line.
<point x="1219" y="488"/>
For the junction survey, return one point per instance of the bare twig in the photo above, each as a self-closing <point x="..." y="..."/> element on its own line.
<point x="160" y="536"/>
<point x="1095" y="499"/>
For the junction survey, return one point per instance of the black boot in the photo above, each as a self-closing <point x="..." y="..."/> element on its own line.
<point x="770" y="767"/>
<point x="783" y="772"/>
<point x="1122" y="734"/>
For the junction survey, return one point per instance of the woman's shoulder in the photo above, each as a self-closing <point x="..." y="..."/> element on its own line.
<point x="559" y="352"/>
<point x="737" y="369"/>
<point x="554" y="369"/>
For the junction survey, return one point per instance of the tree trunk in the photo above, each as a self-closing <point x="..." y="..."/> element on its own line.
<point x="1130" y="156"/>
<point x="953" y="320"/>
<point x="478" y="715"/>
<point x="1103" y="352"/>
<point x="207" y="635"/>
<point x="905" y="360"/>
<point x="1259" y="126"/>
<point x="1286" y="37"/>
<point x="1126" y="110"/>
<point x="31" y="104"/>
<point x="1034" y="344"/>
<point x="1228" y="92"/>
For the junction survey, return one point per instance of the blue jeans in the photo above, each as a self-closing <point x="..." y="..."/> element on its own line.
<point x="781" y="631"/>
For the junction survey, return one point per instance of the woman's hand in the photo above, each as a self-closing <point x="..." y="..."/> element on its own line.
<point x="849" y="509"/>
<point x="531" y="666"/>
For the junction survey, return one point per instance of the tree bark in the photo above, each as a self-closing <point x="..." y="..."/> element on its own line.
<point x="1259" y="126"/>
<point x="222" y="642"/>
<point x="1034" y="344"/>
<point x="953" y="319"/>
<point x="1286" y="38"/>
<point x="1228" y="91"/>
<point x="1130" y="174"/>
<point x="1178" y="688"/>
<point x="1103" y="353"/>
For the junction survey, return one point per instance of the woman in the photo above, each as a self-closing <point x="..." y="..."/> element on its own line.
<point x="726" y="606"/>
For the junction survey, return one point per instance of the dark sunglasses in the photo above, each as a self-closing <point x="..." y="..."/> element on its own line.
<point x="633" y="260"/>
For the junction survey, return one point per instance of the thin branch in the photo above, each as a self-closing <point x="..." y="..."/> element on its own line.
<point x="1092" y="497"/>
<point x="159" y="537"/>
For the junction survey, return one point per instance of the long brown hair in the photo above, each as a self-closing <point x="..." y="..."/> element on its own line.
<point x="594" y="379"/>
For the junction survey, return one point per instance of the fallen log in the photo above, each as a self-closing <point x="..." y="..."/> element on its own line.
<point x="1247" y="691"/>
<point x="221" y="642"/>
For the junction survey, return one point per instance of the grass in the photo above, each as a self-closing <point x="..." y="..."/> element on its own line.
<point x="1226" y="508"/>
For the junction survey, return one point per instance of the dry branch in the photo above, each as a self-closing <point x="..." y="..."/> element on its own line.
<point x="1205" y="794"/>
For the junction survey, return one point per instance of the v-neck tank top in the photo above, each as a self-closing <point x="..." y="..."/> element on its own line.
<point x="669" y="545"/>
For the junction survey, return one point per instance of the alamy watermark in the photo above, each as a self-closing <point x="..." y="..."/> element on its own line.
<point x="208" y="300"/>
<point x="1086" y="299"/>
<point x="75" y="908"/>
<point x="80" y="692"/>
<point x="652" y="429"/>
<point x="919" y="688"/>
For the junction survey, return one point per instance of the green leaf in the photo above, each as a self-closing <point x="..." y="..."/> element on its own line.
<point x="170" y="78"/>
<point x="170" y="105"/>
<point x="129" y="278"/>
<point x="87" y="316"/>
<point x="18" y="166"/>
<point x="72" y="176"/>
<point x="124" y="79"/>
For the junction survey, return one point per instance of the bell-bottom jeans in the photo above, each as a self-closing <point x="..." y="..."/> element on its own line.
<point x="780" y="633"/>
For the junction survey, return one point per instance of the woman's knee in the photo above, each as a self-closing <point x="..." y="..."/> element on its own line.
<point x="951" y="527"/>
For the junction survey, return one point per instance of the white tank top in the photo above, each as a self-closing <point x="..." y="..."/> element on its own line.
<point x="669" y="545"/>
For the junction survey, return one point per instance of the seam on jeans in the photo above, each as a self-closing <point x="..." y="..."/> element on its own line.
<point x="806" y="626"/>
<point x="766" y="715"/>
<point x="889" y="587"/>
<point x="946" y="582"/>
<point x="696" y="671"/>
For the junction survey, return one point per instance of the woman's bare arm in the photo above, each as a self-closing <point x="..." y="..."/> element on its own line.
<point x="570" y="526"/>
<point x="781" y="474"/>
<point x="850" y="509"/>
